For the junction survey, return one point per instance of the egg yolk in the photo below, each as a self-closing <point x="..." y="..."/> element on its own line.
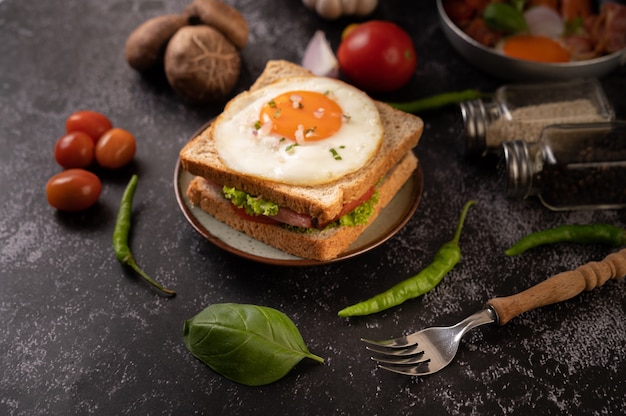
<point x="535" y="48"/>
<point x="302" y="115"/>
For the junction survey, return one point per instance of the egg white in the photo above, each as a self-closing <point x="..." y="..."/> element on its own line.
<point x="255" y="152"/>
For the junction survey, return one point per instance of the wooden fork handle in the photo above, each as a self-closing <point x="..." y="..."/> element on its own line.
<point x="561" y="287"/>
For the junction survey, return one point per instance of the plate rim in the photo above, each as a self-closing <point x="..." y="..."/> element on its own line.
<point x="416" y="178"/>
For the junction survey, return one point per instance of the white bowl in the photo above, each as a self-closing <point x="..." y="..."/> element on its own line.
<point x="513" y="69"/>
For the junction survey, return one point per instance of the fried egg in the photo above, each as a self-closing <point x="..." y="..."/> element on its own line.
<point x="299" y="131"/>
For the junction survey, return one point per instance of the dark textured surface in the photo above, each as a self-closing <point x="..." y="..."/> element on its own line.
<point x="82" y="336"/>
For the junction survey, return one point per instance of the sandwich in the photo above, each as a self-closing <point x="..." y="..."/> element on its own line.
<point x="302" y="163"/>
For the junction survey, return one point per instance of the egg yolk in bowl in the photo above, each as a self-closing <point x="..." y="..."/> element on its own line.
<point x="535" y="48"/>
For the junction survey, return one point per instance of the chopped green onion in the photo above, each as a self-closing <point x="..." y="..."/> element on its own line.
<point x="336" y="155"/>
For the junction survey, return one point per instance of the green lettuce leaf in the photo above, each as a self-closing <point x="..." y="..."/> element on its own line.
<point x="253" y="205"/>
<point x="361" y="214"/>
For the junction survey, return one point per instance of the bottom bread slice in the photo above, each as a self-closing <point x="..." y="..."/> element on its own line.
<point x="320" y="245"/>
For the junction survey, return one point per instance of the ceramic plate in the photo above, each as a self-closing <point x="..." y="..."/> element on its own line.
<point x="392" y="218"/>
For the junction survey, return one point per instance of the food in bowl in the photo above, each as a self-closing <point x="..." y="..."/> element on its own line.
<point x="547" y="31"/>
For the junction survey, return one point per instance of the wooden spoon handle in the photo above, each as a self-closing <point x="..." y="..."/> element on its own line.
<point x="561" y="287"/>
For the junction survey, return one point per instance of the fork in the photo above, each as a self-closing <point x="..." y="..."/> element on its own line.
<point x="431" y="349"/>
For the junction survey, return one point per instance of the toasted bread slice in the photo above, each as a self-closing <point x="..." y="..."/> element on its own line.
<point x="323" y="202"/>
<point x="318" y="245"/>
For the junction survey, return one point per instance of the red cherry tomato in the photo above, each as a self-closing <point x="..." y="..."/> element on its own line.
<point x="73" y="190"/>
<point x="377" y="56"/>
<point x="74" y="150"/>
<point x="90" y="122"/>
<point x="115" y="148"/>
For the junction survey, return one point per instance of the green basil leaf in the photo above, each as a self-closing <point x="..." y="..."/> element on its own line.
<point x="249" y="344"/>
<point x="504" y="17"/>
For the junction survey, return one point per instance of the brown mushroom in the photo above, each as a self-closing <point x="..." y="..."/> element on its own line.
<point x="201" y="65"/>
<point x="145" y="46"/>
<point x="221" y="16"/>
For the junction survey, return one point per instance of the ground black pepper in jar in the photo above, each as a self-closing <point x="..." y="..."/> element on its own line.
<point x="573" y="166"/>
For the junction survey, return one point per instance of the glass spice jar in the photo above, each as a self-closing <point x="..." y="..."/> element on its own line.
<point x="520" y="112"/>
<point x="573" y="166"/>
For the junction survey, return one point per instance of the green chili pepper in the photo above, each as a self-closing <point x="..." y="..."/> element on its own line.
<point x="584" y="234"/>
<point x="444" y="260"/>
<point x="121" y="232"/>
<point x="437" y="101"/>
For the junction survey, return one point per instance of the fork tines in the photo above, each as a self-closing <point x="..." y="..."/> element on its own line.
<point x="399" y="356"/>
<point x="421" y="368"/>
<point x="408" y="351"/>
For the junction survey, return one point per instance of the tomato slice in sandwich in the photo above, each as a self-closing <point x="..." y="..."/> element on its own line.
<point x="350" y="206"/>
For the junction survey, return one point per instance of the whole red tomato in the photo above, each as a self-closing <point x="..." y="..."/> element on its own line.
<point x="90" y="122"/>
<point x="377" y="56"/>
<point x="74" y="150"/>
<point x="116" y="148"/>
<point x="73" y="190"/>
